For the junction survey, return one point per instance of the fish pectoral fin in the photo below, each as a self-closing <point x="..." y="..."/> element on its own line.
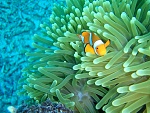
<point x="107" y="43"/>
<point x="89" y="48"/>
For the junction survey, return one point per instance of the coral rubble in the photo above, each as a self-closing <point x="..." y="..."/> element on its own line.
<point x="18" y="21"/>
<point x="45" y="107"/>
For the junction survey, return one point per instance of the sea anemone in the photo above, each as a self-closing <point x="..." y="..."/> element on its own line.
<point x="125" y="69"/>
<point x="61" y="71"/>
<point x="50" y="73"/>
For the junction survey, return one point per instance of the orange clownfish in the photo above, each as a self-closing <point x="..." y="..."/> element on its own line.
<point x="93" y="43"/>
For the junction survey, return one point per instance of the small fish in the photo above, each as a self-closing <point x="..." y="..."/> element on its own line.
<point x="93" y="43"/>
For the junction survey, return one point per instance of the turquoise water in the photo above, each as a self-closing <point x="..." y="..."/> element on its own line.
<point x="19" y="20"/>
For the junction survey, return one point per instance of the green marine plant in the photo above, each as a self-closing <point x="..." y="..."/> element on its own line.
<point x="61" y="71"/>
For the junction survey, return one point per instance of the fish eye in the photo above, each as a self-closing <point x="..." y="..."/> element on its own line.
<point x="97" y="48"/>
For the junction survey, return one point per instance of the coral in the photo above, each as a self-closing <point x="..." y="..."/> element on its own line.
<point x="18" y="21"/>
<point x="61" y="71"/>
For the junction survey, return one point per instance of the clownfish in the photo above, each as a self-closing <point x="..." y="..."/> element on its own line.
<point x="93" y="43"/>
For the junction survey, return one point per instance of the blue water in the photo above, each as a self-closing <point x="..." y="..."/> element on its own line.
<point x="19" y="20"/>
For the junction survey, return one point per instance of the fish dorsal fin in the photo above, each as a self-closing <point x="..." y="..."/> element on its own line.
<point x="95" y="38"/>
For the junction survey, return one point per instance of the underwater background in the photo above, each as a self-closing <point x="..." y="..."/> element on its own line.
<point x="43" y="62"/>
<point x="19" y="20"/>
